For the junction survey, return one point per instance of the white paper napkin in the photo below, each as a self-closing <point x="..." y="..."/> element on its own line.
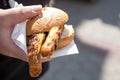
<point x="19" y="38"/>
<point x="68" y="50"/>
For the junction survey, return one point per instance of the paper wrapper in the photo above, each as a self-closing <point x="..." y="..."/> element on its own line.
<point x="19" y="38"/>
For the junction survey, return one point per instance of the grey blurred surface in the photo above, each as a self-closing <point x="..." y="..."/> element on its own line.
<point x="99" y="52"/>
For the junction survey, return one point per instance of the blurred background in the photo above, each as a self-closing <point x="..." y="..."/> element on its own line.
<point x="97" y="28"/>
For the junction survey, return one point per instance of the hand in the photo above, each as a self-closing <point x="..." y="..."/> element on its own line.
<point x="8" y="19"/>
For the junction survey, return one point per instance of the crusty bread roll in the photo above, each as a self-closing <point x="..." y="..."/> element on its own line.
<point x="44" y="36"/>
<point x="49" y="18"/>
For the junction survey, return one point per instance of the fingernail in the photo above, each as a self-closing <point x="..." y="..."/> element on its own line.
<point x="36" y="8"/>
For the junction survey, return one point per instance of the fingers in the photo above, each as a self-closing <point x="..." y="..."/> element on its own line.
<point x="8" y="48"/>
<point x="17" y="15"/>
<point x="11" y="17"/>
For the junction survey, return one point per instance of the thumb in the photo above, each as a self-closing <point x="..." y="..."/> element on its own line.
<point x="17" y="15"/>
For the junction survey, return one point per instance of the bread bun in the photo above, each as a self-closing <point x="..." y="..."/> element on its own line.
<point x="49" y="18"/>
<point x="44" y="36"/>
<point x="66" y="37"/>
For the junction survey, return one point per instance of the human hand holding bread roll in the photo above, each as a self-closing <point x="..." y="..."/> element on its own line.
<point x="8" y="19"/>
<point x="45" y="34"/>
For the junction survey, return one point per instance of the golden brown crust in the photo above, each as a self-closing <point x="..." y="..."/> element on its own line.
<point x="50" y="17"/>
<point x="67" y="37"/>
